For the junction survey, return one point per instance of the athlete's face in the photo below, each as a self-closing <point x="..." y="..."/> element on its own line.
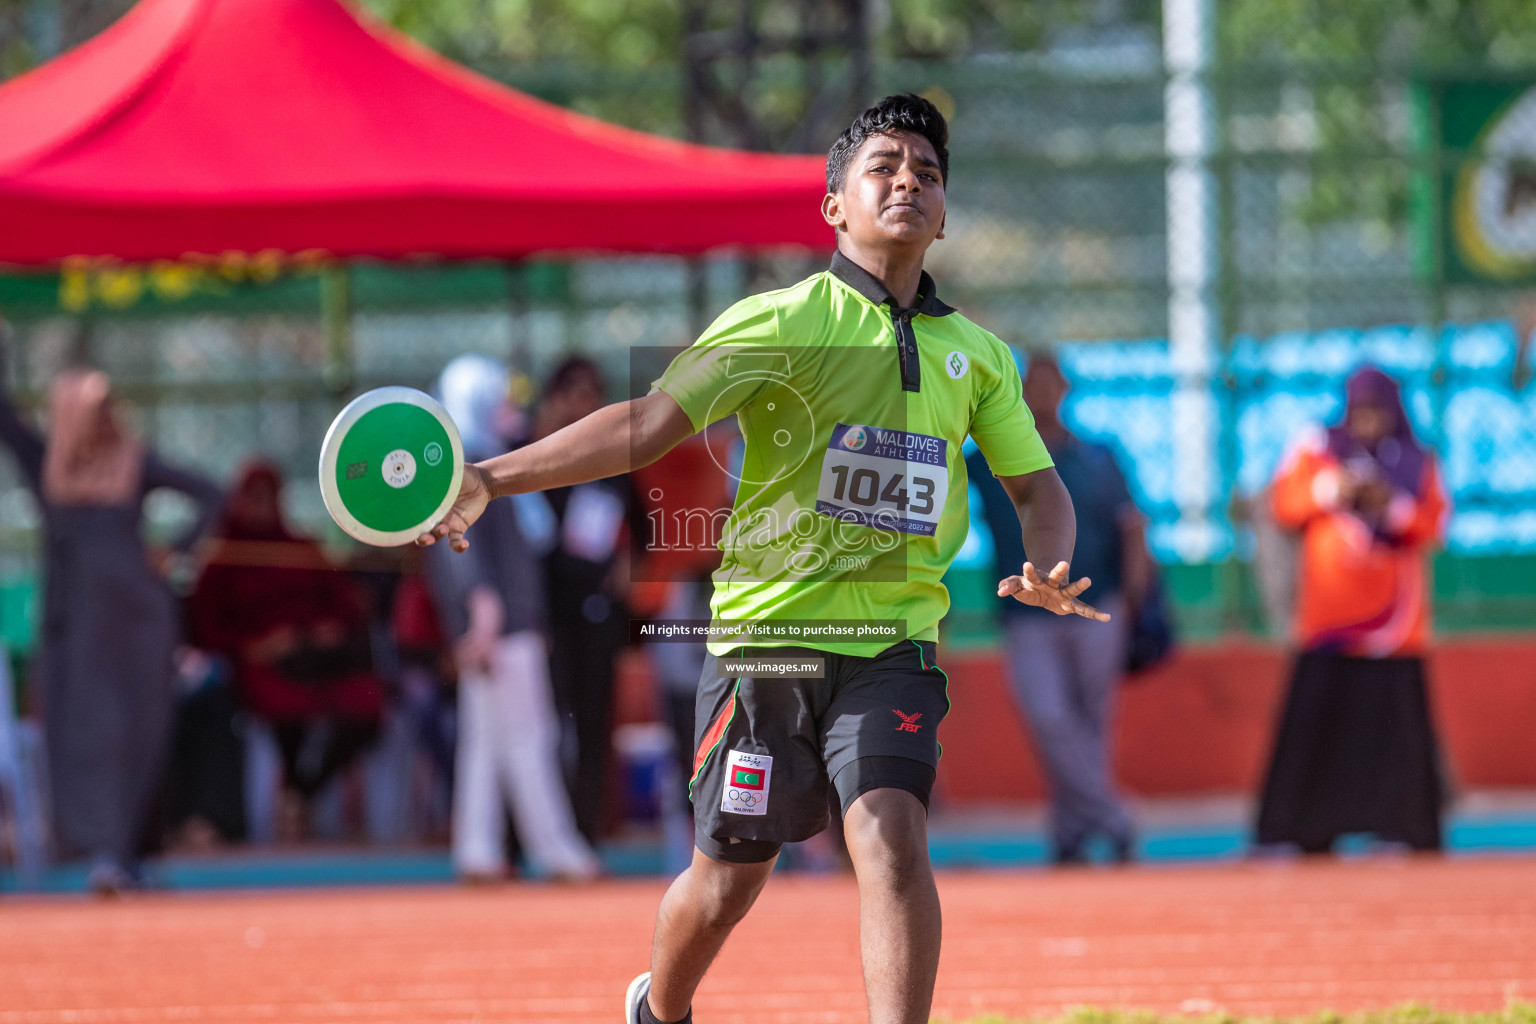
<point x="893" y="194"/>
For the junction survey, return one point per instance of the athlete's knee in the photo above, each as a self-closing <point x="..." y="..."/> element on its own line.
<point x="724" y="892"/>
<point x="723" y="906"/>
<point x="887" y="834"/>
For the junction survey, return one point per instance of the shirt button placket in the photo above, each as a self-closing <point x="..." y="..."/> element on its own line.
<point x="906" y="341"/>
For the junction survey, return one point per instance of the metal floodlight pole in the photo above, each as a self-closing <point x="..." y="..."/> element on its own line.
<point x="1194" y="319"/>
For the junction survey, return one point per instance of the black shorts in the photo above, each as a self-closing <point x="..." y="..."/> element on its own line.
<point x="767" y="747"/>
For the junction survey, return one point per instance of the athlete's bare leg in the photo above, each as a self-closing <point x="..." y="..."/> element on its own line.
<point x="887" y="832"/>
<point x="697" y="913"/>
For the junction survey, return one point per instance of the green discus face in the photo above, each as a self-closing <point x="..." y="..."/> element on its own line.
<point x="390" y="466"/>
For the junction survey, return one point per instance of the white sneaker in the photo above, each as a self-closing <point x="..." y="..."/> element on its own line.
<point x="634" y="996"/>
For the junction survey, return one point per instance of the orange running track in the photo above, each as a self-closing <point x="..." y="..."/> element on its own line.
<point x="1251" y="939"/>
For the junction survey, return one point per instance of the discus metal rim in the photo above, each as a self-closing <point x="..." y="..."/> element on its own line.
<point x="330" y="449"/>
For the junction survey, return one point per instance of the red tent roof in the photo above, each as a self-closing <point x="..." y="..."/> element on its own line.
<point x="202" y="126"/>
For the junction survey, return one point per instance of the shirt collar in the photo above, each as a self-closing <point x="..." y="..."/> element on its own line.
<point x="869" y="286"/>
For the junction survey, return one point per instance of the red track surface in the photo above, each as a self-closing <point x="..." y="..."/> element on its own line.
<point x="1278" y="939"/>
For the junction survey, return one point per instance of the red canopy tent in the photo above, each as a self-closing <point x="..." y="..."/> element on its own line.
<point x="203" y="126"/>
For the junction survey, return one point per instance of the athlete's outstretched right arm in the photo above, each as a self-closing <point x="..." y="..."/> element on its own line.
<point x="615" y="439"/>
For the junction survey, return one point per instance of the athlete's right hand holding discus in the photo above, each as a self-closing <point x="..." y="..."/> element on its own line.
<point x="474" y="495"/>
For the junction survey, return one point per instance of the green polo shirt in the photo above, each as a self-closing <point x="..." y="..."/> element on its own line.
<point x="851" y="496"/>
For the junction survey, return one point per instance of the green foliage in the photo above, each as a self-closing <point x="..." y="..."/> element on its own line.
<point x="614" y="33"/>
<point x="1484" y="33"/>
<point x="641" y="33"/>
<point x="955" y="28"/>
<point x="31" y="30"/>
<point x="947" y="28"/>
<point x="1357" y="58"/>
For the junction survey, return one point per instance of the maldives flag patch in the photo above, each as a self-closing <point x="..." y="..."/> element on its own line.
<point x="747" y="778"/>
<point x="746" y="783"/>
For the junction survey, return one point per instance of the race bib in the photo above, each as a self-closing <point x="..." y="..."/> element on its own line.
<point x="746" y="783"/>
<point x="886" y="479"/>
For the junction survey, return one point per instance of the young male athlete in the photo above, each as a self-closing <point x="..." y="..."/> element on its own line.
<point x="854" y="390"/>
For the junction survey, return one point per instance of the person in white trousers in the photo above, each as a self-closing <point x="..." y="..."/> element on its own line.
<point x="509" y="749"/>
<point x="492" y="603"/>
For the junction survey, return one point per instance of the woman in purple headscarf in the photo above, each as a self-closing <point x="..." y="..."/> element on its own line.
<point x="1356" y="749"/>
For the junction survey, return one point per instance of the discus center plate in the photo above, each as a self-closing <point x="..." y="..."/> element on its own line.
<point x="400" y="467"/>
<point x="390" y="466"/>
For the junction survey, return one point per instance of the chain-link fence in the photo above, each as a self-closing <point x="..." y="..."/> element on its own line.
<point x="1317" y="198"/>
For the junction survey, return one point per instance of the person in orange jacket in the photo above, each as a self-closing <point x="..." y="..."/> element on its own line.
<point x="1355" y="751"/>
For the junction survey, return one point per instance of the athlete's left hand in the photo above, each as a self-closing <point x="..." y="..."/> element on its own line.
<point x="1052" y="592"/>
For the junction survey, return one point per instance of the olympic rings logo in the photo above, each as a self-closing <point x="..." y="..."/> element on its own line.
<point x="744" y="796"/>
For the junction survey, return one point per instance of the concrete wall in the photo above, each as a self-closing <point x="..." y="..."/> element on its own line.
<point x="1202" y="723"/>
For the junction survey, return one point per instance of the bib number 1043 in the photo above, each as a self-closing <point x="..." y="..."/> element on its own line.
<point x="862" y="486"/>
<point x="885" y="479"/>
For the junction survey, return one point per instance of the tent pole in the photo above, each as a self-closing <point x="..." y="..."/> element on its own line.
<point x="519" y="344"/>
<point x="336" y="322"/>
<point x="698" y="296"/>
<point x="520" y="336"/>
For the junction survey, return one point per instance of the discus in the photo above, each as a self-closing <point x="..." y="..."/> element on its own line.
<point x="390" y="466"/>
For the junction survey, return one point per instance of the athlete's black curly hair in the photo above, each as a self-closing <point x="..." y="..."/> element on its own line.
<point x="906" y="112"/>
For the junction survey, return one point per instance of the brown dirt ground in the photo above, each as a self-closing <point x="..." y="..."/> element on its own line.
<point x="1250" y="938"/>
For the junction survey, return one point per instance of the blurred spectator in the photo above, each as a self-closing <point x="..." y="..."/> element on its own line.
<point x="677" y="668"/>
<point x="687" y="497"/>
<point x="405" y="779"/>
<point x="296" y="631"/>
<point x="1274" y="560"/>
<point x="204" y="801"/>
<point x="1065" y="669"/>
<point x="425" y="697"/>
<point x="109" y="626"/>
<point x="586" y="575"/>
<point x="491" y="601"/>
<point x="1356" y="749"/>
